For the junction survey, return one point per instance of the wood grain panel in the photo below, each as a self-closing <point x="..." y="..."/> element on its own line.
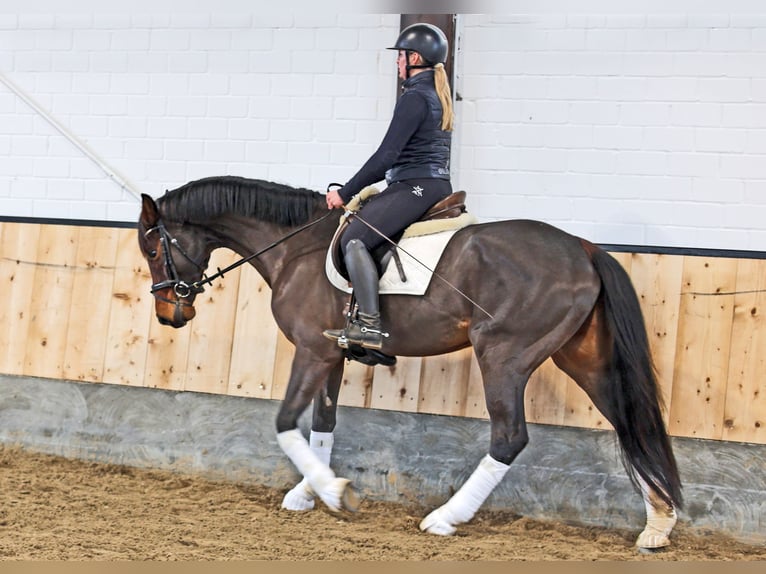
<point x="475" y="401"/>
<point x="254" y="349"/>
<point x="51" y="300"/>
<point x="702" y="352"/>
<point x="94" y="273"/>
<point x="167" y="357"/>
<point x="282" y="366"/>
<point x="356" y="389"/>
<point x="745" y="411"/>
<point x="77" y="306"/>
<point x="545" y="396"/>
<point x="17" y="277"/>
<point x="212" y="330"/>
<point x="657" y="279"/>
<point x="444" y="383"/>
<point x="397" y="388"/>
<point x="130" y="316"/>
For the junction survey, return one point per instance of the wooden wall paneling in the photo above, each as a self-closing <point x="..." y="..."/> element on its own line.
<point x="18" y="246"/>
<point x="282" y="366"/>
<point x="90" y="307"/>
<point x="397" y="388"/>
<point x="212" y="329"/>
<point x="657" y="279"/>
<point x="545" y="395"/>
<point x="253" y="355"/>
<point x="704" y="340"/>
<point x="444" y="383"/>
<point x="475" y="401"/>
<point x="167" y="356"/>
<point x="356" y="389"/>
<point x="51" y="299"/>
<point x="745" y="410"/>
<point x="130" y="315"/>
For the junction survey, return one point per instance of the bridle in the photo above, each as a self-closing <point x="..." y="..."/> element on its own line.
<point x="181" y="288"/>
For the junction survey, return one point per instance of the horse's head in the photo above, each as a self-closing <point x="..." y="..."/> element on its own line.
<point x="177" y="259"/>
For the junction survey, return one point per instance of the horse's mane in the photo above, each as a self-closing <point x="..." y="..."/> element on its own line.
<point x="205" y="199"/>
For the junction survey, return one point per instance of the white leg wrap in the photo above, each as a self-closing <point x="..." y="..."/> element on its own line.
<point x="301" y="497"/>
<point x="466" y="501"/>
<point x="660" y="520"/>
<point x="320" y="477"/>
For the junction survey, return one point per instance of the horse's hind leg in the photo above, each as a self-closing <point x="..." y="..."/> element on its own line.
<point x="505" y="405"/>
<point x="586" y="358"/>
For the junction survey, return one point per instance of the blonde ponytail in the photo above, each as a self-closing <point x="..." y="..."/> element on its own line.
<point x="445" y="96"/>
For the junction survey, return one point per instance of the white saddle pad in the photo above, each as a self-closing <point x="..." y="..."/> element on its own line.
<point x="419" y="255"/>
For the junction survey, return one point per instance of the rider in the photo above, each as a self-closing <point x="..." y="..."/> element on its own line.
<point x="414" y="159"/>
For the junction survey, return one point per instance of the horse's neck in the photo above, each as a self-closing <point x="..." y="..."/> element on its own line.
<point x="247" y="236"/>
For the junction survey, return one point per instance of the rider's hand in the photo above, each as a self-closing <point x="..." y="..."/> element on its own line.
<point x="334" y="199"/>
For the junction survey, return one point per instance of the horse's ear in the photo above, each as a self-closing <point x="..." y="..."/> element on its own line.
<point x="149" y="212"/>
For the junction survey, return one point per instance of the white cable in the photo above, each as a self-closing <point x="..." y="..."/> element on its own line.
<point x="112" y="173"/>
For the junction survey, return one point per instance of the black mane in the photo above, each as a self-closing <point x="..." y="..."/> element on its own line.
<point x="205" y="199"/>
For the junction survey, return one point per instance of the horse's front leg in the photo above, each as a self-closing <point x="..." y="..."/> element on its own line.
<point x="308" y="376"/>
<point x="321" y="439"/>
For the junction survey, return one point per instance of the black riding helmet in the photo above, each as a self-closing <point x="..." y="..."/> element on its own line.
<point x="425" y="39"/>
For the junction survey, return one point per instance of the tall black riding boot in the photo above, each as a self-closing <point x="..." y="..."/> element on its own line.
<point x="365" y="330"/>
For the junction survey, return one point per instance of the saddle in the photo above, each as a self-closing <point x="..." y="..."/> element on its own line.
<point x="451" y="206"/>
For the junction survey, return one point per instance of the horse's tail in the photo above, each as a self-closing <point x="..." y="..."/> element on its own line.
<point x="634" y="397"/>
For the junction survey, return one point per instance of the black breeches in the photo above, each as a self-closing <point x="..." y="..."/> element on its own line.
<point x="395" y="208"/>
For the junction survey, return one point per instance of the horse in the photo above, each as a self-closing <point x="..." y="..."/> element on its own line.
<point x="516" y="291"/>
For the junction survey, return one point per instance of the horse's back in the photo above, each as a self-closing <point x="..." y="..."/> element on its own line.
<point x="523" y="242"/>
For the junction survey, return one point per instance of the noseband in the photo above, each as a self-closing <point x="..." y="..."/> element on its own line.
<point x="181" y="288"/>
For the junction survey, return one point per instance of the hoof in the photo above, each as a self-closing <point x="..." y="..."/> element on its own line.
<point x="435" y="524"/>
<point x="651" y="540"/>
<point x="299" y="499"/>
<point x="351" y="498"/>
<point x="656" y="535"/>
<point x="339" y="495"/>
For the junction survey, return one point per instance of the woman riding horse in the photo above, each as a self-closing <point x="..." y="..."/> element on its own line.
<point x="414" y="159"/>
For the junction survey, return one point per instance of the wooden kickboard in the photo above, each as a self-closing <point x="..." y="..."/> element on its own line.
<point x="50" y="303"/>
<point x="94" y="273"/>
<point x="212" y="329"/>
<point x="254" y="349"/>
<point x="702" y="350"/>
<point x="17" y="277"/>
<point x="130" y="315"/>
<point x="745" y="410"/>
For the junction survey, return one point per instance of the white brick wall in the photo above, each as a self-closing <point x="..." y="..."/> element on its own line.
<point x="645" y="129"/>
<point x="164" y="98"/>
<point x="641" y="129"/>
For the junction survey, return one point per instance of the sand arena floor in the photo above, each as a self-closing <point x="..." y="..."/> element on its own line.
<point x="53" y="508"/>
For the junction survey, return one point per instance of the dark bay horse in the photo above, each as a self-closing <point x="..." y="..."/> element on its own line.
<point x="529" y="292"/>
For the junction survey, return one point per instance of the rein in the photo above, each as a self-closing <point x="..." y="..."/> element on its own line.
<point x="181" y="288"/>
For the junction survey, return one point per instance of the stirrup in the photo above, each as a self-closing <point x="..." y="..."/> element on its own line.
<point x="344" y="342"/>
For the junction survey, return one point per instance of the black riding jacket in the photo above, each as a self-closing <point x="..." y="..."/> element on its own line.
<point x="414" y="146"/>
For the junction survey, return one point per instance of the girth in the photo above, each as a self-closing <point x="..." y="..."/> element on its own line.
<point x="451" y="206"/>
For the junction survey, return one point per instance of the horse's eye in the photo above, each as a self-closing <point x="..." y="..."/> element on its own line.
<point x="152" y="254"/>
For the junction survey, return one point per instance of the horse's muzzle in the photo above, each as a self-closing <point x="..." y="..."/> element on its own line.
<point x="173" y="312"/>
